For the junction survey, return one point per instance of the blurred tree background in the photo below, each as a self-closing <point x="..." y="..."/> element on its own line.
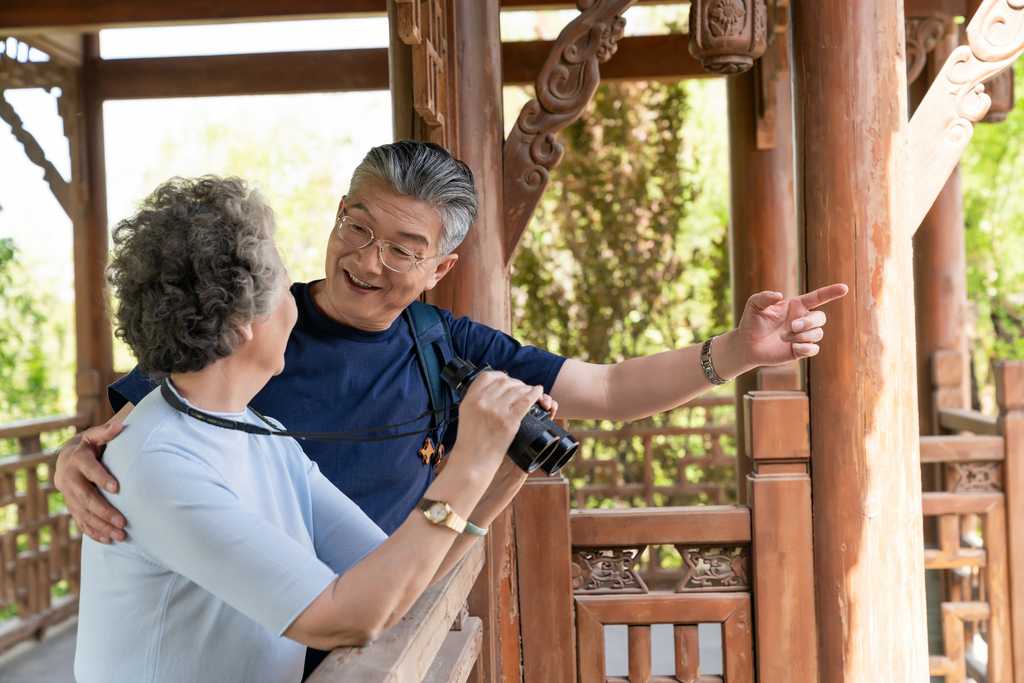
<point x="628" y="255"/>
<point x="994" y="215"/>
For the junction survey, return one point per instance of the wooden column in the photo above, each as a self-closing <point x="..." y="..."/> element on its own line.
<point x="404" y="121"/>
<point x="850" y="104"/>
<point x="93" y="335"/>
<point x="478" y="286"/>
<point x="762" y="228"/>
<point x="940" y="274"/>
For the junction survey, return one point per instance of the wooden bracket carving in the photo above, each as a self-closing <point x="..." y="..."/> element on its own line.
<point x="923" y="34"/>
<point x="565" y="86"/>
<point x="423" y="24"/>
<point x="772" y="67"/>
<point x="58" y="186"/>
<point x="944" y="122"/>
<point x="1000" y="89"/>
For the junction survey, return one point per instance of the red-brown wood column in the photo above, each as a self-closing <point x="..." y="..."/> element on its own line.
<point x="762" y="228"/>
<point x="940" y="277"/>
<point x="478" y="287"/>
<point x="850" y="109"/>
<point x="93" y="335"/>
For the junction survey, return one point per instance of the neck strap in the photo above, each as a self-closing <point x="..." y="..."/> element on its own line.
<point x="352" y="437"/>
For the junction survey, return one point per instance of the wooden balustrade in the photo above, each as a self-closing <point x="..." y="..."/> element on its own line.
<point x="629" y="475"/>
<point x="582" y="564"/>
<point x="983" y="477"/>
<point x="435" y="642"/>
<point x="37" y="546"/>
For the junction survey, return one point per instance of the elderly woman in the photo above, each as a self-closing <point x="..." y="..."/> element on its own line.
<point x="235" y="539"/>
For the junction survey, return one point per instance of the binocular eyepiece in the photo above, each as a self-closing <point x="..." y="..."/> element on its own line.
<point x="538" y="443"/>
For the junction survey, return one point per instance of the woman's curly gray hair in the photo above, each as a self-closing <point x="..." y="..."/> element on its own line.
<point x="194" y="264"/>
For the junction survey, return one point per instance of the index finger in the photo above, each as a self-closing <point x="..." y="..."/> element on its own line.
<point x="823" y="295"/>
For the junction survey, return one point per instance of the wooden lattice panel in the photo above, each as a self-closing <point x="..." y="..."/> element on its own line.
<point x="37" y="547"/>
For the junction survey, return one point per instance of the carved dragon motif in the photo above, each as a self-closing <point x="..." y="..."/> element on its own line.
<point x="944" y="122"/>
<point x="565" y="86"/>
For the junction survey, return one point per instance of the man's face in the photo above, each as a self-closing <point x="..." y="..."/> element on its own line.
<point x="360" y="291"/>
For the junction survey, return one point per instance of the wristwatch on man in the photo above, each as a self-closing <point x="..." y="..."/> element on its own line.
<point x="441" y="513"/>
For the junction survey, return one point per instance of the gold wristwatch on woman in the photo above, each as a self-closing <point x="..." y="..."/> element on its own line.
<point x="441" y="513"/>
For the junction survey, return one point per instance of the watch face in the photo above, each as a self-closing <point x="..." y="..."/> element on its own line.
<point x="438" y="512"/>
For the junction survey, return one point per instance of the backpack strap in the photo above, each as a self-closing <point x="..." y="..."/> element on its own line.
<point x="432" y="337"/>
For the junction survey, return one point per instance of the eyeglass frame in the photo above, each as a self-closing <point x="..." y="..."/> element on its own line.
<point x="342" y="217"/>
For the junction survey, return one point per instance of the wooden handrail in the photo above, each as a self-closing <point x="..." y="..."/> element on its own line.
<point x="968" y="421"/>
<point x="948" y="448"/>
<point x="35" y="426"/>
<point x="406" y="652"/>
<point x="642" y="526"/>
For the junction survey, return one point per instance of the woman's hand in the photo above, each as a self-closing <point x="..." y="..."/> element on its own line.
<point x="773" y="331"/>
<point x="489" y="417"/>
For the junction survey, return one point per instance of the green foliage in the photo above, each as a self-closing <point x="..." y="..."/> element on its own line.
<point x="31" y="342"/>
<point x="994" y="214"/>
<point x="627" y="256"/>
<point x="612" y="267"/>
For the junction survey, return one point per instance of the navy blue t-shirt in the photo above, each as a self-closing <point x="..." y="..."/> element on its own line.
<point x="339" y="379"/>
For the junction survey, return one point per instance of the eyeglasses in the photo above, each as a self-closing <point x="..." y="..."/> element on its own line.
<point x="392" y="255"/>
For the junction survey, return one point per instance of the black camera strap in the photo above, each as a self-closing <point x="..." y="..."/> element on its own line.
<point x="351" y="437"/>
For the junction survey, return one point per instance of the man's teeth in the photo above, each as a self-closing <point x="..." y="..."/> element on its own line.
<point x="365" y="285"/>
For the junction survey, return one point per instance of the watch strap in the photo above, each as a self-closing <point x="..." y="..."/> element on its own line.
<point x="706" y="365"/>
<point x="452" y="520"/>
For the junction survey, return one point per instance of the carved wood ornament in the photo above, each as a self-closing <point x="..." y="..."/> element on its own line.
<point x="944" y="122"/>
<point x="715" y="569"/>
<point x="423" y="25"/>
<point x="923" y="34"/>
<point x="565" y="86"/>
<point x="49" y="75"/>
<point x="606" y="571"/>
<point x="728" y="35"/>
<point x="1000" y="89"/>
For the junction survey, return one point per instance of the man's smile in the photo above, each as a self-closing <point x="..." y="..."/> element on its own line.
<point x="359" y="284"/>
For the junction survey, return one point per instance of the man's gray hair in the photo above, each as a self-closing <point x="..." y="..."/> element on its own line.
<point x="428" y="173"/>
<point x="194" y="264"/>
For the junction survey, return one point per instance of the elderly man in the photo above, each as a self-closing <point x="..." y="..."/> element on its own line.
<point x="352" y="358"/>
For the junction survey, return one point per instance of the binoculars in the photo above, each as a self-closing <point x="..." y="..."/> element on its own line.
<point x="539" y="443"/>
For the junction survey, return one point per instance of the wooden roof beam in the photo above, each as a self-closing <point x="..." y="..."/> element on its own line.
<point x="641" y="58"/>
<point x="33" y="16"/>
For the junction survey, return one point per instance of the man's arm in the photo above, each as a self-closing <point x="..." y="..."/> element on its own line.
<point x="772" y="331"/>
<point x="77" y="472"/>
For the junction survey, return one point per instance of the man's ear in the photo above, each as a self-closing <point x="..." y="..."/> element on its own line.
<point x="341" y="205"/>
<point x="443" y="266"/>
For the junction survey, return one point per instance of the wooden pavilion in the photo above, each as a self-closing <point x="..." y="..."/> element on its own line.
<point x="819" y="574"/>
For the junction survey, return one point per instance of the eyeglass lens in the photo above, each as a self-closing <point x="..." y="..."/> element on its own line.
<point x="391" y="255"/>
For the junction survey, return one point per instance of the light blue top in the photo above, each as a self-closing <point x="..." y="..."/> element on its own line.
<point x="230" y="537"/>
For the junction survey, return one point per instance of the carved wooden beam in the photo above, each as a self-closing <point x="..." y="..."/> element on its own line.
<point x="423" y="24"/>
<point x="944" y="122"/>
<point x="565" y="86"/>
<point x="923" y="34"/>
<point x="47" y="75"/>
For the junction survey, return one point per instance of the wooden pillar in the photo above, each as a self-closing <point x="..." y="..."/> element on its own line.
<point x="93" y="334"/>
<point x="762" y="228"/>
<point x="849" y="82"/>
<point x="478" y="286"/>
<point x="405" y="123"/>
<point x="940" y="274"/>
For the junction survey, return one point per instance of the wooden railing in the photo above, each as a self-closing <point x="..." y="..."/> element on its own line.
<point x="630" y="474"/>
<point x="37" y="547"/>
<point x="575" y="594"/>
<point x="983" y="478"/>
<point x="436" y="642"/>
